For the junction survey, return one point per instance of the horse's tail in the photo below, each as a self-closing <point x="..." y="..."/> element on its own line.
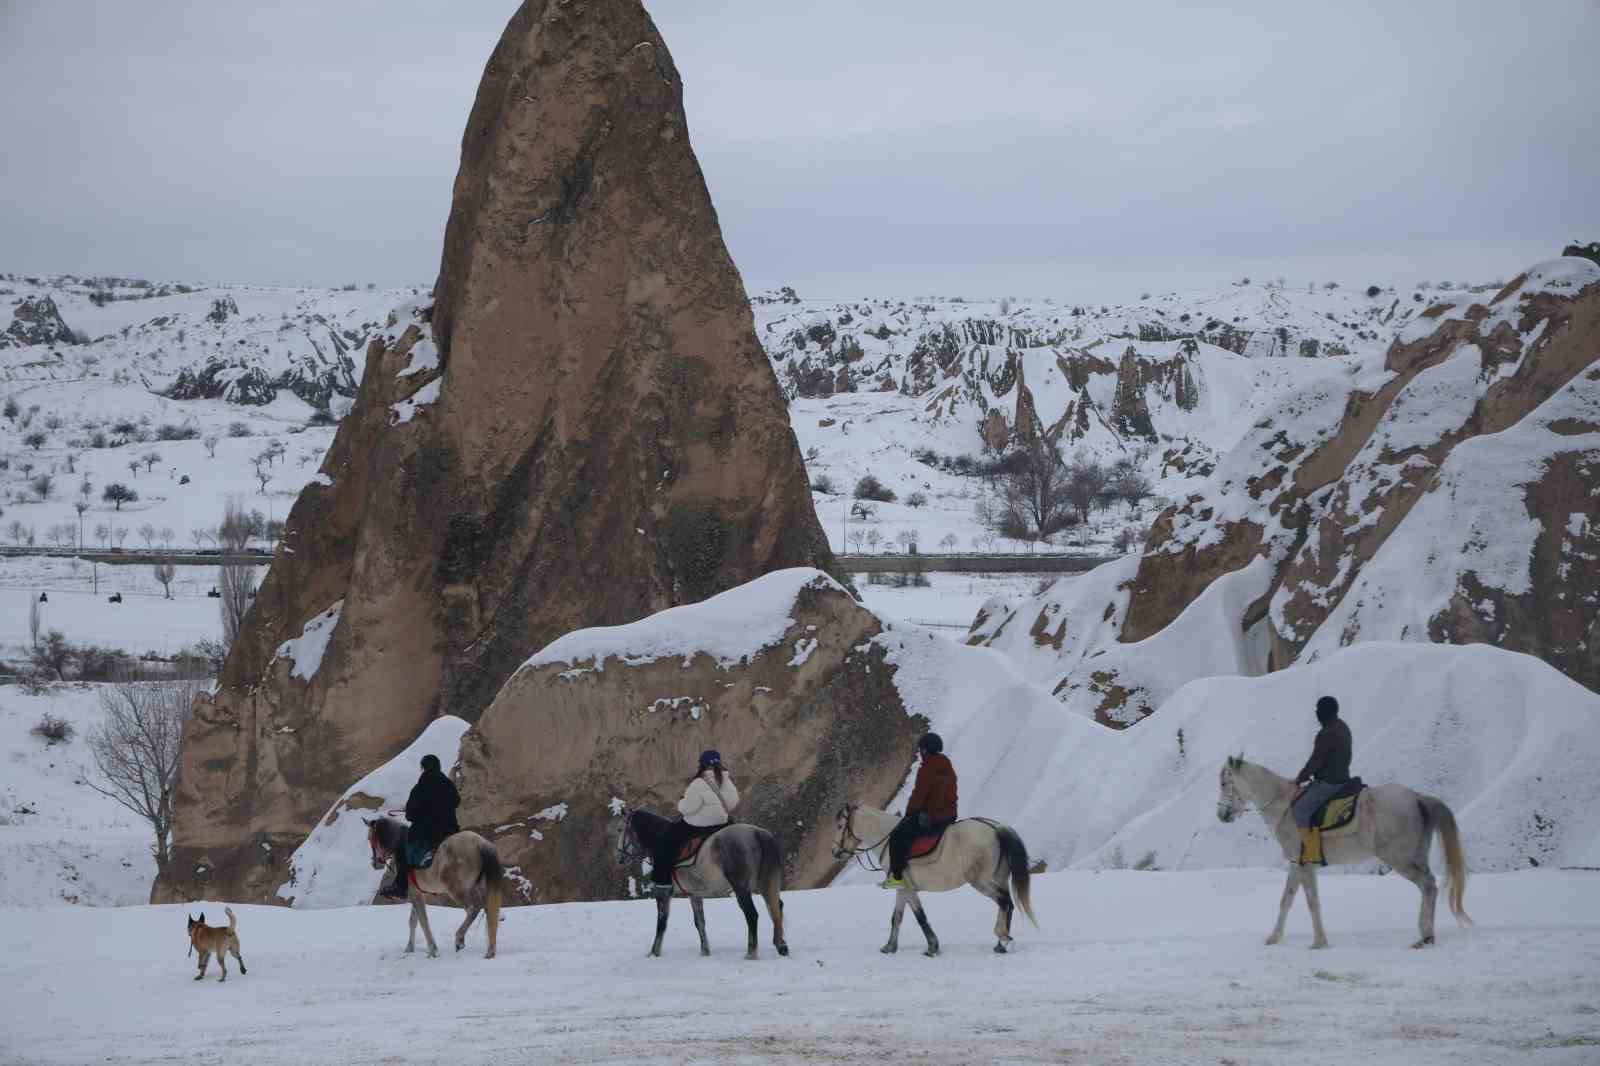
<point x="1437" y="815"/>
<point x="493" y="876"/>
<point x="769" y="876"/>
<point x="1016" y="856"/>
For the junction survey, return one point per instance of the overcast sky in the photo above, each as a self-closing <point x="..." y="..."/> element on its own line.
<point x="1044" y="148"/>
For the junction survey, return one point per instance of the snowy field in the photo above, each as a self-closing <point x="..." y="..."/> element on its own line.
<point x="1127" y="968"/>
<point x="948" y="600"/>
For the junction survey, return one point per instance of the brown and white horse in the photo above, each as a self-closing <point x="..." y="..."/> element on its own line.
<point x="466" y="869"/>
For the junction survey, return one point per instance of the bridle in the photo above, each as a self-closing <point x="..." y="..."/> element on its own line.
<point x="381" y="855"/>
<point x="628" y="846"/>
<point x="863" y="853"/>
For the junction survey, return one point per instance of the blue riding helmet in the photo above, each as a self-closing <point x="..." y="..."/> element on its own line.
<point x="709" y="758"/>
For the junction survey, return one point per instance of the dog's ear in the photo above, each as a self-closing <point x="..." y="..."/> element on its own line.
<point x="202" y="920"/>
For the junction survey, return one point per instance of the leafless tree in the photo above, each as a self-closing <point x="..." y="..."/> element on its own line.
<point x="166" y="536"/>
<point x="43" y="486"/>
<point x="873" y="537"/>
<point x="133" y="467"/>
<point x="164" y="573"/>
<point x="35" y="620"/>
<point x="148" y="532"/>
<point x="1086" y="480"/>
<point x="122" y="535"/>
<point x="1032" y="503"/>
<point x="856" y="537"/>
<point x="150" y="459"/>
<point x="103" y="532"/>
<point x="236" y="528"/>
<point x="237" y="584"/>
<point x="211" y="445"/>
<point x="135" y="746"/>
<point x="81" y="506"/>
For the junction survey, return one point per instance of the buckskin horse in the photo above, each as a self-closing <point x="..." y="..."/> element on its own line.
<point x="741" y="859"/>
<point x="1393" y="823"/>
<point x="466" y="869"/>
<point x="973" y="851"/>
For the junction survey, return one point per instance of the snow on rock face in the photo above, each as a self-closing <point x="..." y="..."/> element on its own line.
<point x="333" y="867"/>
<point x="1503" y="738"/>
<point x="1503" y="550"/>
<point x="1328" y="475"/>
<point x="305" y="651"/>
<point x="731" y="628"/>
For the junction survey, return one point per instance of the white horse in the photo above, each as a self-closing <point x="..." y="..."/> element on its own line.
<point x="1393" y="823"/>
<point x="974" y="851"/>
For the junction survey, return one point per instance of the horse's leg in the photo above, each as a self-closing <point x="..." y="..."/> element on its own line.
<point x="698" y="905"/>
<point x="1002" y="921"/>
<point x="922" y="920"/>
<point x="663" y="904"/>
<point x="1291" y="885"/>
<point x="411" y="940"/>
<point x="1420" y="875"/>
<point x="473" y="907"/>
<point x="748" y="905"/>
<point x="894" y="923"/>
<point x="419" y="911"/>
<point x="1308" y="874"/>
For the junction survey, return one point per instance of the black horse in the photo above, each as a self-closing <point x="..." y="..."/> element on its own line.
<point x="740" y="859"/>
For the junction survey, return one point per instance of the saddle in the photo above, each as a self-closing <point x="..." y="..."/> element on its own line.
<point x="927" y="843"/>
<point x="1340" y="809"/>
<point x="691" y="850"/>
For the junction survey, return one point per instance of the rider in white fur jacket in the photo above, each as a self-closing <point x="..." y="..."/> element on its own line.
<point x="706" y="802"/>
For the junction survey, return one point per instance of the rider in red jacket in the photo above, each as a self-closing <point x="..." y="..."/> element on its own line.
<point x="932" y="806"/>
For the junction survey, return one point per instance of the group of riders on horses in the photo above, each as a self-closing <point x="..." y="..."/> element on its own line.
<point x="710" y="799"/>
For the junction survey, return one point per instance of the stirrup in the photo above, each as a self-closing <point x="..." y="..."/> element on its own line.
<point x="660" y="891"/>
<point x="892" y="882"/>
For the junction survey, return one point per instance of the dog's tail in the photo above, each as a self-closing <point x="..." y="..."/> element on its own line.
<point x="233" y="923"/>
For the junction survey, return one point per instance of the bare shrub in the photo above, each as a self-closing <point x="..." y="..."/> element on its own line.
<point x="164" y="573"/>
<point x="53" y="730"/>
<point x="135" y="746"/>
<point x="238" y="586"/>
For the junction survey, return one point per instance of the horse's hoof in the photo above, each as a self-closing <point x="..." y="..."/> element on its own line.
<point x="1426" y="941"/>
<point x="932" y="953"/>
<point x="783" y="949"/>
<point x="751" y="956"/>
<point x="1272" y="941"/>
<point x="999" y="949"/>
<point x="433" y="953"/>
<point x="489" y="954"/>
<point x="410" y="950"/>
<point x="704" y="952"/>
<point x="887" y="949"/>
<point x="1319" y="945"/>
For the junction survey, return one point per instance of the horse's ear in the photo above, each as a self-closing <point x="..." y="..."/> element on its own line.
<point x="370" y="821"/>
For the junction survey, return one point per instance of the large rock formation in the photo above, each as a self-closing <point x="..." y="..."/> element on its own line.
<point x="36" y="320"/>
<point x="580" y="431"/>
<point x="781" y="675"/>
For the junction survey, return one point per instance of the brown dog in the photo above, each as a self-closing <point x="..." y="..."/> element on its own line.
<point x="218" y="941"/>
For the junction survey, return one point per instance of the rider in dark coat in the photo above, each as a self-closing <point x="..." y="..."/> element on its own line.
<point x="932" y="806"/>
<point x="431" y="810"/>
<point x="1323" y="776"/>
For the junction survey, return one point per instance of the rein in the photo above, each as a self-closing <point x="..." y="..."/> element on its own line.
<point x="858" y="854"/>
<point x="629" y="847"/>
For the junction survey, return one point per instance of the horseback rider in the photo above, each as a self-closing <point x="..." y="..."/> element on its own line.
<point x="707" y="805"/>
<point x="431" y="810"/>
<point x="932" y="806"/>
<point x="1322" y="777"/>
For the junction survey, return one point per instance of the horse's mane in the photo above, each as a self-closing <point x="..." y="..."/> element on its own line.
<point x="391" y="831"/>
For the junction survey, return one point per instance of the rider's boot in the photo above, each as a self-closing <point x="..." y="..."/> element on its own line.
<point x="1311" y="847"/>
<point x="661" y="891"/>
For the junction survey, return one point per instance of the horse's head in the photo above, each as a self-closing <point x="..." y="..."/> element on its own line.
<point x="1230" y="800"/>
<point x="627" y="841"/>
<point x="382" y="850"/>
<point x="845" y="841"/>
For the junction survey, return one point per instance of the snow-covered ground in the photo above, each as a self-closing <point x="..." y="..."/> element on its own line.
<point x="949" y="600"/>
<point x="1125" y="968"/>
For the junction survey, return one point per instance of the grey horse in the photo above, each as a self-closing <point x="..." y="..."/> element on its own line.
<point x="465" y="867"/>
<point x="1393" y="823"/>
<point x="740" y="859"/>
<point x="974" y="851"/>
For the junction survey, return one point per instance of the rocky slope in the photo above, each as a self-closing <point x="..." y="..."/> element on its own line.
<point x="1445" y="493"/>
<point x="580" y="431"/>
